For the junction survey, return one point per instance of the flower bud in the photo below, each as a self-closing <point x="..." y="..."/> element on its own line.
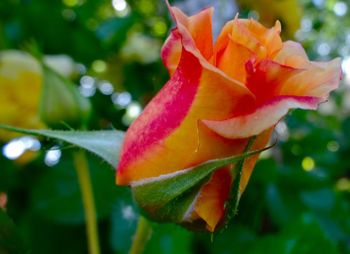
<point x="20" y="89"/>
<point x="61" y="102"/>
<point x="62" y="64"/>
<point x="219" y="97"/>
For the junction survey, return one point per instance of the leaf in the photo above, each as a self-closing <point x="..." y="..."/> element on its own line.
<point x="113" y="32"/>
<point x="56" y="194"/>
<point x="235" y="193"/>
<point x="169" y="239"/>
<point x="123" y="221"/>
<point x="106" y="144"/>
<point x="163" y="194"/>
<point x="10" y="240"/>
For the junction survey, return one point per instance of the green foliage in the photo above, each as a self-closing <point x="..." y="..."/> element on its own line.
<point x="10" y="240"/>
<point x="105" y="144"/>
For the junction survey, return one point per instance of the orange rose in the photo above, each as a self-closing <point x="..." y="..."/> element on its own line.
<point x="219" y="95"/>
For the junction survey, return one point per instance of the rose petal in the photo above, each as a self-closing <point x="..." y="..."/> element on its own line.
<point x="212" y="197"/>
<point x="210" y="205"/>
<point x="267" y="79"/>
<point x="263" y="118"/>
<point x="317" y="79"/>
<point x="202" y="38"/>
<point x="232" y="60"/>
<point x="199" y="27"/>
<point x="292" y="54"/>
<point x="251" y="34"/>
<point x="171" y="51"/>
<point x="169" y="128"/>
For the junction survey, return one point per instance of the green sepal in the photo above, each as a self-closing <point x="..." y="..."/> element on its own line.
<point x="168" y="197"/>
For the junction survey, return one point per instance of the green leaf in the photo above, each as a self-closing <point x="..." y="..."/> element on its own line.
<point x="106" y="143"/>
<point x="10" y="240"/>
<point x="123" y="221"/>
<point x="167" y="197"/>
<point x="56" y="194"/>
<point x="169" y="239"/>
<point x="235" y="193"/>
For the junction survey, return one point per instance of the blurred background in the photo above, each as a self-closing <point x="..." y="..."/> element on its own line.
<point x="298" y="199"/>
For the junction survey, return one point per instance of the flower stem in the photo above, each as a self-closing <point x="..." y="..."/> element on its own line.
<point x="141" y="237"/>
<point x="82" y="169"/>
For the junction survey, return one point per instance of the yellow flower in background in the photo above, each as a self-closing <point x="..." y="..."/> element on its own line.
<point x="20" y="91"/>
<point x="289" y="12"/>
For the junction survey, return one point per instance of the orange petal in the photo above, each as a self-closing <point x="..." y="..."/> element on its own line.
<point x="199" y="27"/>
<point x="251" y="34"/>
<point x="170" y="128"/>
<point x="232" y="60"/>
<point x="267" y="79"/>
<point x="263" y="118"/>
<point x="292" y="54"/>
<point x="249" y="164"/>
<point x="317" y="79"/>
<point x="212" y="197"/>
<point x="210" y="204"/>
<point x="171" y="51"/>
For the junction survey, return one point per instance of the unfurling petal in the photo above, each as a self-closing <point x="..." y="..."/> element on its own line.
<point x="264" y="117"/>
<point x="202" y="38"/>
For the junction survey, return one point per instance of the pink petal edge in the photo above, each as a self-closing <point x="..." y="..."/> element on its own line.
<point x="262" y="118"/>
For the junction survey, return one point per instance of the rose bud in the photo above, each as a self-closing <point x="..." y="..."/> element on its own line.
<point x="218" y="97"/>
<point x="19" y="73"/>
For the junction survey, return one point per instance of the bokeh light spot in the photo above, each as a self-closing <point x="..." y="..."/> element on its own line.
<point x="52" y="156"/>
<point x="340" y="9"/>
<point x="119" y="5"/>
<point x="106" y="87"/>
<point x="121" y="99"/>
<point x="134" y="110"/>
<point x="343" y="184"/>
<point x="346" y="66"/>
<point x="87" y="86"/>
<point x="333" y="146"/>
<point x="308" y="164"/>
<point x="72" y="3"/>
<point x="14" y="149"/>
<point x="159" y="28"/>
<point x="99" y="66"/>
<point x="324" y="49"/>
<point x="146" y="6"/>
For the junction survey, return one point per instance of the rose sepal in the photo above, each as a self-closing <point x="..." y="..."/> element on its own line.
<point x="171" y="197"/>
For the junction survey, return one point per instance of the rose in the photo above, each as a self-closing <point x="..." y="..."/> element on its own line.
<point x="19" y="73"/>
<point x="219" y="95"/>
<point x="53" y="99"/>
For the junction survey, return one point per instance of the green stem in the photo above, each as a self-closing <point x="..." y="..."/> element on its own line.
<point x="82" y="168"/>
<point x="141" y="237"/>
